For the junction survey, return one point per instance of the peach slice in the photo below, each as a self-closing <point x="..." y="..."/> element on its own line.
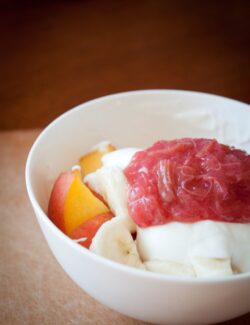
<point x="87" y="230"/>
<point x="57" y="198"/>
<point x="92" y="160"/>
<point x="72" y="203"/>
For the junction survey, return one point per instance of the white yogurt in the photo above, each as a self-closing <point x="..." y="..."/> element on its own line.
<point x="190" y="243"/>
<point x="204" y="248"/>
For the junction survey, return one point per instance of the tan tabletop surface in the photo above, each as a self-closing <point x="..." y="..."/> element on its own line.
<point x="33" y="287"/>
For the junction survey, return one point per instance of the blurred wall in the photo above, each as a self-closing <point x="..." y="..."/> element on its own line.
<point x="57" y="54"/>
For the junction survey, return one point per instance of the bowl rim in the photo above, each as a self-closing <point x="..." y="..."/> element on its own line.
<point x="100" y="259"/>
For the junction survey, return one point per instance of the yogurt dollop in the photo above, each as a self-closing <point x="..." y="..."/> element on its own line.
<point x="207" y="247"/>
<point x="201" y="248"/>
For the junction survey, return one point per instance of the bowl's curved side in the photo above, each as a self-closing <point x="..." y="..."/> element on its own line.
<point x="137" y="119"/>
<point x="152" y="299"/>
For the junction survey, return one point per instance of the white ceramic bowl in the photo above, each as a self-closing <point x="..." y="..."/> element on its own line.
<point x="138" y="119"/>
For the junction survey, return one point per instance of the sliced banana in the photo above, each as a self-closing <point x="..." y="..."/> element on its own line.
<point x="114" y="241"/>
<point x="111" y="183"/>
<point x="169" y="268"/>
<point x="211" y="267"/>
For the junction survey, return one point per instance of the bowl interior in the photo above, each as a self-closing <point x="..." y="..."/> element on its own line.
<point x="134" y="119"/>
<point x="138" y="119"/>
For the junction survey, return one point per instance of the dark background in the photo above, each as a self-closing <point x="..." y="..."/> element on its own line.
<point x="57" y="54"/>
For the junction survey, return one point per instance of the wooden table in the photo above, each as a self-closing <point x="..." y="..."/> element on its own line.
<point x="57" y="54"/>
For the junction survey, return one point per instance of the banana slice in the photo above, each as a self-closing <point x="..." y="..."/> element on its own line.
<point x="211" y="267"/>
<point x="169" y="268"/>
<point x="114" y="241"/>
<point x="111" y="184"/>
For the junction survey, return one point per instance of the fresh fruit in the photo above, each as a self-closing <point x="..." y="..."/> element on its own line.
<point x="111" y="184"/>
<point x="87" y="230"/>
<point x="169" y="267"/>
<point x="209" y="267"/>
<point x="57" y="198"/>
<point x="72" y="203"/>
<point x="92" y="160"/>
<point x="114" y="241"/>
